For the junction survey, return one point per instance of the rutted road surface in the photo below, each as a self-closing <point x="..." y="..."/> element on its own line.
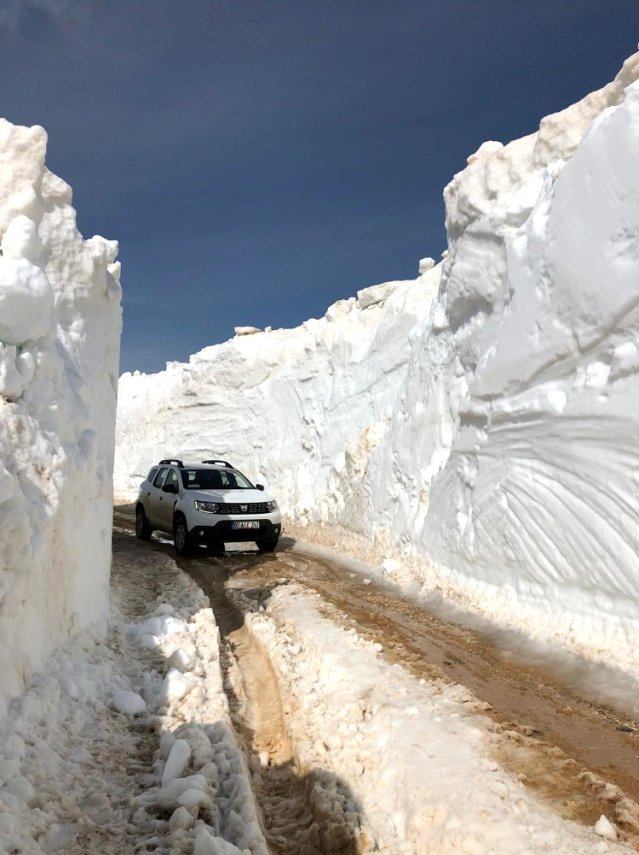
<point x="581" y="759"/>
<point x="294" y="821"/>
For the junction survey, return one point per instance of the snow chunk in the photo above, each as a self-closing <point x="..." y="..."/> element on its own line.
<point x="207" y="844"/>
<point x="17" y="368"/>
<point x="176" y="686"/>
<point x="169" y="795"/>
<point x="167" y="741"/>
<point x="162" y="626"/>
<point x="239" y="331"/>
<point x="177" y="761"/>
<point x="181" y="660"/>
<point x="604" y="828"/>
<point x="485" y="149"/>
<point x="128" y="703"/>
<point x="181" y="818"/>
<point x="149" y="642"/>
<point x="21" y="241"/>
<point x="193" y="798"/>
<point x="376" y="294"/>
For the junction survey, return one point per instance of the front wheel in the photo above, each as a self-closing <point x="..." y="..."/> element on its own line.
<point x="143" y="530"/>
<point x="267" y="545"/>
<point x="181" y="537"/>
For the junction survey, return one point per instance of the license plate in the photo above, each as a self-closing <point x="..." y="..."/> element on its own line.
<point x="245" y="524"/>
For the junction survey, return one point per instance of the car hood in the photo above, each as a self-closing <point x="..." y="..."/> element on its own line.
<point x="234" y="497"/>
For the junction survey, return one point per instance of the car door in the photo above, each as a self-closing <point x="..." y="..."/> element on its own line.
<point x="167" y="500"/>
<point x="152" y="504"/>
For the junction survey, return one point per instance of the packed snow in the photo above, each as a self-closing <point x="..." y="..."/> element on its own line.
<point x="476" y="425"/>
<point x="59" y="347"/>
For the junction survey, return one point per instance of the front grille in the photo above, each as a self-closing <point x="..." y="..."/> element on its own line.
<point x="253" y="508"/>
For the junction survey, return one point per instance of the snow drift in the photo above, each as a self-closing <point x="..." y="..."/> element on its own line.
<point x="59" y="348"/>
<point x="478" y="422"/>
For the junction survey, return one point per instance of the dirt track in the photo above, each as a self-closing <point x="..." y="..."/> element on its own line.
<point x="582" y="758"/>
<point x="292" y="817"/>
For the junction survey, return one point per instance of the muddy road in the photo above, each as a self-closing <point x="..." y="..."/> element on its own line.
<point x="293" y="819"/>
<point x="581" y="757"/>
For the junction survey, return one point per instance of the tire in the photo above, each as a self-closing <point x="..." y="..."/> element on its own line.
<point x="267" y="545"/>
<point x="181" y="538"/>
<point x="143" y="530"/>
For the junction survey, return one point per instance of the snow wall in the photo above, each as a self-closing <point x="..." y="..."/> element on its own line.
<point x="480" y="422"/>
<point x="60" y="326"/>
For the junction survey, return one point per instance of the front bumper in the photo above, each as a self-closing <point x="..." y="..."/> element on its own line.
<point x="222" y="531"/>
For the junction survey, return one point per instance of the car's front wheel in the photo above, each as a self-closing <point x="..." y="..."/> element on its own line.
<point x="181" y="537"/>
<point x="143" y="529"/>
<point x="267" y="544"/>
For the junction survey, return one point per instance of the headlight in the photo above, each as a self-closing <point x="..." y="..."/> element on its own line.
<point x="271" y="506"/>
<point x="207" y="507"/>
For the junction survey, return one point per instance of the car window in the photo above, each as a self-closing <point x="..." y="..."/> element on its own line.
<point x="214" y="479"/>
<point x="171" y="478"/>
<point x="235" y="480"/>
<point x="159" y="478"/>
<point x="190" y="479"/>
<point x="152" y="474"/>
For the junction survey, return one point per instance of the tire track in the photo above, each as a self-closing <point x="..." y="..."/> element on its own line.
<point x="298" y="818"/>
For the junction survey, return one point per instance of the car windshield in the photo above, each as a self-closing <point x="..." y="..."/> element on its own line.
<point x="214" y="479"/>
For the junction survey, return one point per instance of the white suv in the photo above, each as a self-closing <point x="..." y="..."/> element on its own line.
<point x="206" y="503"/>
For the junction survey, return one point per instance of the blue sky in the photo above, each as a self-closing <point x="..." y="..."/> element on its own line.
<point x="258" y="160"/>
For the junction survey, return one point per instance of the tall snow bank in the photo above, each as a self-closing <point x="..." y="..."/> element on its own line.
<point x="522" y="406"/>
<point x="485" y="432"/>
<point x="59" y="349"/>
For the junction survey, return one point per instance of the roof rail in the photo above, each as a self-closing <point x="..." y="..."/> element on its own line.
<point x="221" y="462"/>
<point x="172" y="461"/>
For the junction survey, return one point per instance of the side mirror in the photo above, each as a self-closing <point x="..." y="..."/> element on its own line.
<point x="170" y="488"/>
<point x="260" y="487"/>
